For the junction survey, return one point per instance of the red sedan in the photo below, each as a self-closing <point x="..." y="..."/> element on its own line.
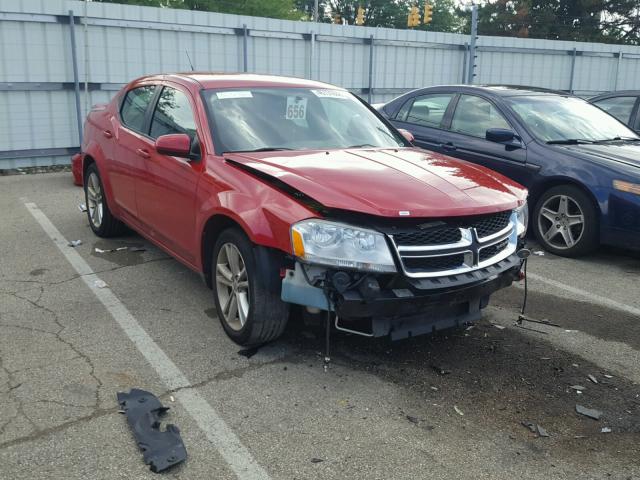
<point x="288" y="192"/>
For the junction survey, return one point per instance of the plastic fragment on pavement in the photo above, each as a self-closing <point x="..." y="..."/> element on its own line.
<point x="82" y="207"/>
<point x="589" y="412"/>
<point x="317" y="460"/>
<point x="605" y="430"/>
<point x="592" y="378"/>
<point x="458" y="411"/>
<point x="161" y="449"/>
<point x="99" y="283"/>
<point x="499" y="327"/>
<point x="539" y="253"/>
<point x="74" y="243"/>
<point x="578" y="387"/>
<point x="606" y="375"/>
<point x="541" y="431"/>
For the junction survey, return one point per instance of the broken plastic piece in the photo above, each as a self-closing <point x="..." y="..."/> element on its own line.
<point x="82" y="207"/>
<point x="539" y="253"/>
<point x="578" y="387"/>
<point x="592" y="378"/>
<point x="99" y="283"/>
<point x="316" y="460"/>
<point x="458" y="411"/>
<point x="535" y="428"/>
<point x="161" y="449"/>
<point x="605" y="430"/>
<point x="74" y="243"/>
<point x="589" y="412"/>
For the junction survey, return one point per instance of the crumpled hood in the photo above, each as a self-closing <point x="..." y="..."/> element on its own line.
<point x="386" y="182"/>
<point x="627" y="153"/>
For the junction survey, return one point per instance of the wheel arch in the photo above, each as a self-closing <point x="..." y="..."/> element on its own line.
<point x="213" y="227"/>
<point x="537" y="190"/>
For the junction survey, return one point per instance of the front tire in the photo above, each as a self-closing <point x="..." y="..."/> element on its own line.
<point x="101" y="220"/>
<point x="246" y="286"/>
<point x="565" y="221"/>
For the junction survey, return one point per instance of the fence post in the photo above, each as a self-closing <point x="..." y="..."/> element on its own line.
<point x="615" y="77"/>
<point x="313" y="54"/>
<point x="76" y="80"/>
<point x="573" y="69"/>
<point x="370" y="68"/>
<point x="245" y="60"/>
<point x="464" y="62"/>
<point x="472" y="45"/>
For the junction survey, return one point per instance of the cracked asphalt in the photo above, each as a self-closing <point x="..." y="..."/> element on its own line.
<point x="444" y="406"/>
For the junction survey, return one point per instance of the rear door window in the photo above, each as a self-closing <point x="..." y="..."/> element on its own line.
<point x="619" y="107"/>
<point x="475" y="115"/>
<point x="173" y="114"/>
<point x="426" y="110"/>
<point x="134" y="107"/>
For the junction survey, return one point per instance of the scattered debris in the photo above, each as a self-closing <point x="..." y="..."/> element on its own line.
<point x="160" y="449"/>
<point x="592" y="378"/>
<point x="248" y="352"/>
<point x="440" y="370"/>
<point x="605" y="430"/>
<point x="110" y="250"/>
<point x="539" y="253"/>
<point x="578" y="387"/>
<point x="458" y="411"/>
<point x="575" y="365"/>
<point x="499" y="327"/>
<point x="545" y="358"/>
<point x="137" y="249"/>
<point x="589" y="412"/>
<point x="435" y="389"/>
<point x="607" y="375"/>
<point x="535" y="428"/>
<point x="470" y="327"/>
<point x="99" y="283"/>
<point x="172" y="398"/>
<point x="413" y="420"/>
<point x="317" y="460"/>
<point x="74" y="243"/>
<point x="82" y="207"/>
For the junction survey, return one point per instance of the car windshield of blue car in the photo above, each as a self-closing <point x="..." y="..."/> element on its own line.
<point x="264" y="119"/>
<point x="568" y="120"/>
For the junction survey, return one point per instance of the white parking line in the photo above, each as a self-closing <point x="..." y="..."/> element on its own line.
<point x="213" y="426"/>
<point x="588" y="296"/>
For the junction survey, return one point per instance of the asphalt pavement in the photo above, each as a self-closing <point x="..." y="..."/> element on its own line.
<point x="447" y="406"/>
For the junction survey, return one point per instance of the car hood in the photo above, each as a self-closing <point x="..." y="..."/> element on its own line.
<point x="627" y="153"/>
<point x="386" y="182"/>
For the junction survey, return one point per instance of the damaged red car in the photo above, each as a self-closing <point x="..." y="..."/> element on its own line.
<point x="285" y="192"/>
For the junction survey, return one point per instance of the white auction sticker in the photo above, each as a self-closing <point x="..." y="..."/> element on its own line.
<point x="234" y="94"/>
<point x="331" y="93"/>
<point x="296" y="108"/>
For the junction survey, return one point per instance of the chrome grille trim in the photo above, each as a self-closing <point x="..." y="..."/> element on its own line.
<point x="470" y="246"/>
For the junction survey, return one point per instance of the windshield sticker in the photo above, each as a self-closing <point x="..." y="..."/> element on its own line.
<point x="296" y="108"/>
<point x="331" y="93"/>
<point x="234" y="94"/>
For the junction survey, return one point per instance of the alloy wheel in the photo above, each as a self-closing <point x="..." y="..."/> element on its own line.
<point x="561" y="222"/>
<point x="95" y="200"/>
<point x="232" y="286"/>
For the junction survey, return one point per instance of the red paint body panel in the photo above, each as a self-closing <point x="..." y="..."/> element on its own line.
<point x="169" y="200"/>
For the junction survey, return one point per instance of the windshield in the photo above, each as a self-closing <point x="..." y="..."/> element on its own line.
<point x="293" y="119"/>
<point x="558" y="119"/>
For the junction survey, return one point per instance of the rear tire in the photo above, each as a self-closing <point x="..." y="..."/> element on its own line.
<point x="246" y="290"/>
<point x="565" y="221"/>
<point x="101" y="220"/>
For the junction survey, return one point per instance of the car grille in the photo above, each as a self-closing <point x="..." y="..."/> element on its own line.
<point x="491" y="224"/>
<point x="432" y="236"/>
<point x="456" y="248"/>
<point x="444" y="262"/>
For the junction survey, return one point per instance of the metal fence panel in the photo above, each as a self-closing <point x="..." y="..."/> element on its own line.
<point x="37" y="97"/>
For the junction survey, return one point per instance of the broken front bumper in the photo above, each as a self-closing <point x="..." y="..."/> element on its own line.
<point x="396" y="305"/>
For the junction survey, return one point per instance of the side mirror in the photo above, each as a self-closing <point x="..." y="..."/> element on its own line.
<point x="500" y="135"/>
<point x="176" y="145"/>
<point x="407" y="135"/>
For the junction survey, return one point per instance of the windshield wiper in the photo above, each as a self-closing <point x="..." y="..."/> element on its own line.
<point x="570" y="141"/>
<point x="618" y="139"/>
<point x="362" y="145"/>
<point x="261" y="149"/>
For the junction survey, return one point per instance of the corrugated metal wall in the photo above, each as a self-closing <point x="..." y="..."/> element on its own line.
<point x="37" y="98"/>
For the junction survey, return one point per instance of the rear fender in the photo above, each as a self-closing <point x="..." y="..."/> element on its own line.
<point x="94" y="151"/>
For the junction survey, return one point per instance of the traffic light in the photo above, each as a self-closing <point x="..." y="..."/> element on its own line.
<point x="414" y="17"/>
<point x="360" y="16"/>
<point x="428" y="13"/>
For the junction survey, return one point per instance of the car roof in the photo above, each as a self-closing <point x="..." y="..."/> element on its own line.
<point x="618" y="93"/>
<point x="237" y="80"/>
<point x="496" y="90"/>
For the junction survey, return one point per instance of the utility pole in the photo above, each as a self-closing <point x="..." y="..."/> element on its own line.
<point x="472" y="45"/>
<point x="315" y="11"/>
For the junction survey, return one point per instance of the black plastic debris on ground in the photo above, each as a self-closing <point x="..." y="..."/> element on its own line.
<point x="161" y="449"/>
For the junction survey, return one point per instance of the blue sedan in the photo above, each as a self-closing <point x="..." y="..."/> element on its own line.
<point x="581" y="165"/>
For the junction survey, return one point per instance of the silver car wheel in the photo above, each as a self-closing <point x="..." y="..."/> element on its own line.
<point x="561" y="222"/>
<point x="232" y="286"/>
<point x="95" y="205"/>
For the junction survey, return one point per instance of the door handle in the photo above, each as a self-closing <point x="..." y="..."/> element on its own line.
<point x="107" y="133"/>
<point x="143" y="153"/>
<point x="448" y="146"/>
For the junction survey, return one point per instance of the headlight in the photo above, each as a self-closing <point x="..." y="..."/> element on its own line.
<point x="338" y="245"/>
<point x="626" y="186"/>
<point x="522" y="213"/>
